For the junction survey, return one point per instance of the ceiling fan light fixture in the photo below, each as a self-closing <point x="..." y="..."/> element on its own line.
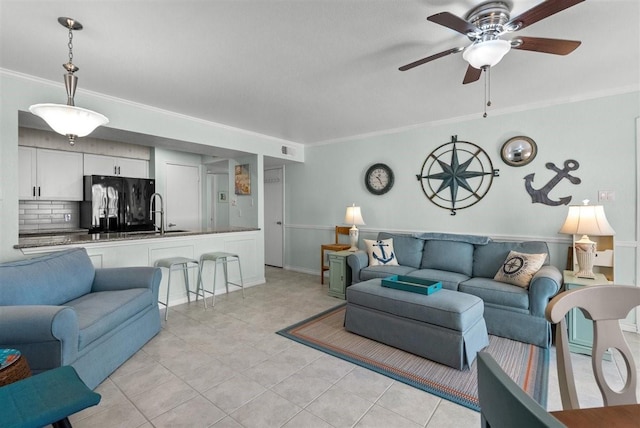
<point x="486" y="53"/>
<point x="68" y="119"/>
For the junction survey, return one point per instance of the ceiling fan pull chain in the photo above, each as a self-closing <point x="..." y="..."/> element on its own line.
<point x="484" y="69"/>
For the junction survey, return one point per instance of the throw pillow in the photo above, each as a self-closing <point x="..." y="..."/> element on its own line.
<point x="519" y="268"/>
<point x="381" y="252"/>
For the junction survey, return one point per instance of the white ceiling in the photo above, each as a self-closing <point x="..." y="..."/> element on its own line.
<point x="313" y="71"/>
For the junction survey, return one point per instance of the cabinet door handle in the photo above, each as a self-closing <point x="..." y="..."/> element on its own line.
<point x="115" y="170"/>
<point x="34" y="191"/>
<point x="38" y="191"/>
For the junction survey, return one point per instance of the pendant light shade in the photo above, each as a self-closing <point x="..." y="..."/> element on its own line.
<point x="68" y="119"/>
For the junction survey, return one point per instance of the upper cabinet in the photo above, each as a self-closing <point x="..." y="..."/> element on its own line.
<point x="52" y="175"/>
<point x="111" y="165"/>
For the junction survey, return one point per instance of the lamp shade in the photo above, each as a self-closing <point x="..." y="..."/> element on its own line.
<point x="586" y="220"/>
<point x="69" y="120"/>
<point x="486" y="53"/>
<point x="353" y="216"/>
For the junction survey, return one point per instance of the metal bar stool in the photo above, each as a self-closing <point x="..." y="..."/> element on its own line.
<point x="223" y="258"/>
<point x="175" y="264"/>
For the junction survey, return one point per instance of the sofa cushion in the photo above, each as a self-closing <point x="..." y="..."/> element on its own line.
<point x="452" y="256"/>
<point x="104" y="311"/>
<point x="383" y="271"/>
<point x="493" y="292"/>
<point x="52" y="279"/>
<point x="487" y="259"/>
<point x="519" y="268"/>
<point x="449" y="280"/>
<point x="380" y="252"/>
<point x="407" y="248"/>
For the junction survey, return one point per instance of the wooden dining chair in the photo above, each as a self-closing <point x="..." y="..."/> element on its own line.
<point x="336" y="246"/>
<point x="503" y="403"/>
<point x="605" y="305"/>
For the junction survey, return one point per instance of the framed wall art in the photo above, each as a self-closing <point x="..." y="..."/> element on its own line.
<point x="243" y="179"/>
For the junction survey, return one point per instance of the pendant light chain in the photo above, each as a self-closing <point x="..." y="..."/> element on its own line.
<point x="70" y="44"/>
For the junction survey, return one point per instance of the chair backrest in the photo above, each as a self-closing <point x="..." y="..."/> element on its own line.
<point x="503" y="403"/>
<point x="341" y="230"/>
<point x="605" y="305"/>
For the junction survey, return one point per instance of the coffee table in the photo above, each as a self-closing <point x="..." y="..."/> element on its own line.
<point x="447" y="326"/>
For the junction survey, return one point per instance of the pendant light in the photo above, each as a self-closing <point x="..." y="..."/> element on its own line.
<point x="68" y="119"/>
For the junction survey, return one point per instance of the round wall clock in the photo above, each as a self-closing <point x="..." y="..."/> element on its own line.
<point x="379" y="179"/>
<point x="456" y="175"/>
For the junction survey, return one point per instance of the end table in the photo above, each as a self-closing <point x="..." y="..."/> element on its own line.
<point x="339" y="274"/>
<point x="580" y="328"/>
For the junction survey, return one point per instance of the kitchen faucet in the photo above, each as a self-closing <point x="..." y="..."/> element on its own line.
<point x="161" y="211"/>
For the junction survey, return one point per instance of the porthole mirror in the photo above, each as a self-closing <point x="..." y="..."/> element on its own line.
<point x="519" y="151"/>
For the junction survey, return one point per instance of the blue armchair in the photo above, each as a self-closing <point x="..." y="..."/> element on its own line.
<point x="59" y="310"/>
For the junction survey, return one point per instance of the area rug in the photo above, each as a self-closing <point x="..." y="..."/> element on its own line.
<point x="526" y="364"/>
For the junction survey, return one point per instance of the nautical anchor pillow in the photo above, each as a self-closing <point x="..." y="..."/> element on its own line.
<point x="381" y="252"/>
<point x="519" y="268"/>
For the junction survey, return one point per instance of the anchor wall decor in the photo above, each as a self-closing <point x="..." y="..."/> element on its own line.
<point x="541" y="196"/>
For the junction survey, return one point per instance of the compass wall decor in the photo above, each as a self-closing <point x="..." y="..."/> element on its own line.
<point x="456" y="175"/>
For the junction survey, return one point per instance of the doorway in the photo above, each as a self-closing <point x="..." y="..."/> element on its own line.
<point x="182" y="204"/>
<point x="274" y="217"/>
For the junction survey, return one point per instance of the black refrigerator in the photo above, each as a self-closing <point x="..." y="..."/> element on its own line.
<point x="117" y="204"/>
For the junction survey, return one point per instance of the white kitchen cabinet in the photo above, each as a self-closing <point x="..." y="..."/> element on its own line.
<point x="51" y="175"/>
<point x="117" y="166"/>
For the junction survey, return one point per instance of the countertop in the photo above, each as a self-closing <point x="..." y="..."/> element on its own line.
<point x="68" y="237"/>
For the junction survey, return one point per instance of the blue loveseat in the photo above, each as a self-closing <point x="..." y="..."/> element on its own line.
<point x="468" y="263"/>
<point x="59" y="310"/>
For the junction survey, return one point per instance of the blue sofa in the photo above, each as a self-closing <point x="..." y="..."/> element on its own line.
<point x="468" y="263"/>
<point x="59" y="310"/>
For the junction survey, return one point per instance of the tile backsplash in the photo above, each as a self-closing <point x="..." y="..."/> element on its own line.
<point x="48" y="215"/>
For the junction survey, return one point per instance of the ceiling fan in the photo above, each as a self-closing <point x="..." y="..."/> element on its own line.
<point x="487" y="23"/>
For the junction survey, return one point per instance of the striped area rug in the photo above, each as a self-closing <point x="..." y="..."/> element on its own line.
<point x="527" y="364"/>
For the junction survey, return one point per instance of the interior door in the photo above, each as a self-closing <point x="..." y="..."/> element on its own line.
<point x="274" y="217"/>
<point x="182" y="199"/>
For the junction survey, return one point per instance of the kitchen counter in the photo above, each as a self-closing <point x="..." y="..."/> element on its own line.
<point x="64" y="237"/>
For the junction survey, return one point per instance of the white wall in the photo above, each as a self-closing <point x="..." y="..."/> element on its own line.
<point x="599" y="133"/>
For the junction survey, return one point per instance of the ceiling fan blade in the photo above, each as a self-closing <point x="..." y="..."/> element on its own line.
<point x="551" y="46"/>
<point x="471" y="75"/>
<point x="539" y="12"/>
<point x="454" y="22"/>
<point x="430" y="58"/>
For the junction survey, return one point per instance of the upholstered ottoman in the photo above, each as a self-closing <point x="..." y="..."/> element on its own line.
<point x="447" y="327"/>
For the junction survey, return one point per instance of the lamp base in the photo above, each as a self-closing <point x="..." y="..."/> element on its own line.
<point x="586" y="254"/>
<point x="353" y="238"/>
<point x="585" y="274"/>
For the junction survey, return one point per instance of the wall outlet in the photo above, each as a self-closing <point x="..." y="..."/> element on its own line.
<point x="67" y="217"/>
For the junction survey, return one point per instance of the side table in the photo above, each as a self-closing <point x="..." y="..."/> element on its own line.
<point x="339" y="274"/>
<point x="580" y="328"/>
<point x="13" y="366"/>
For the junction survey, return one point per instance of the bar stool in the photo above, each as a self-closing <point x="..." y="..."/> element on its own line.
<point x="218" y="257"/>
<point x="177" y="264"/>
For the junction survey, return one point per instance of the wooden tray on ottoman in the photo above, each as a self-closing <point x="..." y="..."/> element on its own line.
<point x="414" y="285"/>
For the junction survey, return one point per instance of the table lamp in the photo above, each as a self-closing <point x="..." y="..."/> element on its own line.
<point x="353" y="217"/>
<point x="586" y="220"/>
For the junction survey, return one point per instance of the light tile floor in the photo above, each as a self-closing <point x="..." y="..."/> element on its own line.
<point x="225" y="367"/>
